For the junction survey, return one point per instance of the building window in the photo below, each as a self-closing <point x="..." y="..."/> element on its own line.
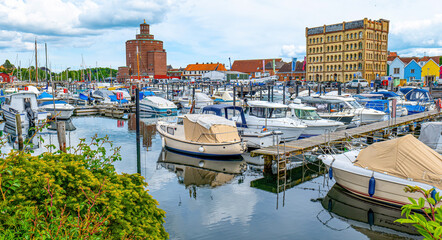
<point x="411" y="70"/>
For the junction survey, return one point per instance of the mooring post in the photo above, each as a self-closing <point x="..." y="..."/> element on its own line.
<point x="268" y="93"/>
<point x="283" y="93"/>
<point x="309" y="91"/>
<point x="339" y="89"/>
<point x="260" y="93"/>
<point x="137" y="119"/>
<point x="61" y="134"/>
<point x="297" y="90"/>
<point x="268" y="159"/>
<point x="19" y="131"/>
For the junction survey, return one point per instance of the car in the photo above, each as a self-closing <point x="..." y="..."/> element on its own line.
<point x="356" y="82"/>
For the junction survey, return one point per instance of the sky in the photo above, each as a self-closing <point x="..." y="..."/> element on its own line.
<point x="93" y="32"/>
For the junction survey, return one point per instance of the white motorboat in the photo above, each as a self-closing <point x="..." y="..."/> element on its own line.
<point x="158" y="106"/>
<point x="382" y="170"/>
<point x="59" y="109"/>
<point x="364" y="115"/>
<point x="201" y="100"/>
<point x="273" y="117"/>
<point x="202" y="134"/>
<point x="315" y="124"/>
<point x="329" y="109"/>
<point x="25" y="104"/>
<point x="225" y="97"/>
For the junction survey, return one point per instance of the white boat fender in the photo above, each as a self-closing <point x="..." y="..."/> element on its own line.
<point x="201" y="149"/>
<point x="371" y="185"/>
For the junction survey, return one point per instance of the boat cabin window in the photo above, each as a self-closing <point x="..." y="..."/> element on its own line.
<point x="180" y="121"/>
<point x="307" y="114"/>
<point x="232" y="112"/>
<point x="257" y="112"/>
<point x="170" y="130"/>
<point x="8" y="100"/>
<point x="268" y="112"/>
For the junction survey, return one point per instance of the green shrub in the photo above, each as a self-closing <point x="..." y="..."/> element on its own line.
<point x="76" y="196"/>
<point x="428" y="220"/>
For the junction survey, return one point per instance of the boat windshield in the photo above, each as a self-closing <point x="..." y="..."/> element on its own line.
<point x="307" y="114"/>
<point x="354" y="104"/>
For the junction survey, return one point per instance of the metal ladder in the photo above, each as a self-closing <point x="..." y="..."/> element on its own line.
<point x="281" y="173"/>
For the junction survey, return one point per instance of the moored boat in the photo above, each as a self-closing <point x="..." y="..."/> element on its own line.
<point x="158" y="106"/>
<point x="202" y="134"/>
<point x="58" y="109"/>
<point x="381" y="171"/>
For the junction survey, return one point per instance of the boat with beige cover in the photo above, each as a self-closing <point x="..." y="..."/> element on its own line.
<point x="382" y="170"/>
<point x="203" y="135"/>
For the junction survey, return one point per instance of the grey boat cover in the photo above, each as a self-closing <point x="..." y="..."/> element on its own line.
<point x="431" y="135"/>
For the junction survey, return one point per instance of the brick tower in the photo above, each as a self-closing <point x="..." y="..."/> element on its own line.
<point x="152" y="56"/>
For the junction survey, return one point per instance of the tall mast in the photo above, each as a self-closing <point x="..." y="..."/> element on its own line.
<point x="46" y="54"/>
<point x="36" y="64"/>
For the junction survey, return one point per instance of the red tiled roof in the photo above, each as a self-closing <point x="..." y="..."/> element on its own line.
<point x="206" y="67"/>
<point x="250" y="66"/>
<point x="407" y="60"/>
<point x="287" y="68"/>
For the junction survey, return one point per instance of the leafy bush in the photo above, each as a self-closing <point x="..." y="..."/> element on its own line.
<point x="428" y="220"/>
<point x="75" y="196"/>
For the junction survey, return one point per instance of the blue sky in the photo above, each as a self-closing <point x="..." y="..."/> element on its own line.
<point x="199" y="30"/>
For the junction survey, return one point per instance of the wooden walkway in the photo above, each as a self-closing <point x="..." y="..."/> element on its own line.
<point x="307" y="144"/>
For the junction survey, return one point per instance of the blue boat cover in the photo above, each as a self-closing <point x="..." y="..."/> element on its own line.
<point x="84" y="97"/>
<point x="52" y="102"/>
<point x="113" y="98"/>
<point x="386" y="94"/>
<point x="44" y="95"/>
<point x="146" y="93"/>
<point x="418" y="94"/>
<point x="413" y="109"/>
<point x="377" y="104"/>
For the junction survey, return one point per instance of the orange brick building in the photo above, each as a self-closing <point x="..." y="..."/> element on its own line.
<point x="152" y="55"/>
<point x="196" y="71"/>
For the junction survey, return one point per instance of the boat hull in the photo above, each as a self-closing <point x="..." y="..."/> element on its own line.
<point x="162" y="112"/>
<point x="388" y="189"/>
<point x="61" y="113"/>
<point x="226" y="150"/>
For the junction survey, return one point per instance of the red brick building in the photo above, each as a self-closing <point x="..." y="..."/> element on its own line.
<point x="285" y="72"/>
<point x="254" y="67"/>
<point x="152" y="55"/>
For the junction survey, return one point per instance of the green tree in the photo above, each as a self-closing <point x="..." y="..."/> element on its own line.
<point x="8" y="65"/>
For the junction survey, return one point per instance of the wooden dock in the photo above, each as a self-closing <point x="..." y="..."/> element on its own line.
<point x="304" y="145"/>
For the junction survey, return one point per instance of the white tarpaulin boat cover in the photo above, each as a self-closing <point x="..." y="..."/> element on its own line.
<point x="404" y="157"/>
<point x="431" y="135"/>
<point x="158" y="101"/>
<point x="207" y="128"/>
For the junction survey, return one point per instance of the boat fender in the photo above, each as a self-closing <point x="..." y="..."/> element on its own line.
<point x="201" y="149"/>
<point x="371" y="186"/>
<point x="330" y="173"/>
<point x="433" y="194"/>
<point x="370" y="217"/>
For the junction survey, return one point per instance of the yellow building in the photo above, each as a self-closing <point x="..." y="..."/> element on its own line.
<point x="430" y="71"/>
<point x="341" y="51"/>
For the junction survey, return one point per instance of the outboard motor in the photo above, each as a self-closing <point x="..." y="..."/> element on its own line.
<point x="30" y="115"/>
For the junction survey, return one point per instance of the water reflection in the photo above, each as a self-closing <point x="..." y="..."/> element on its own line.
<point x="196" y="171"/>
<point x="373" y="220"/>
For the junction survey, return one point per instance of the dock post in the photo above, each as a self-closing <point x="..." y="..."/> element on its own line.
<point x="297" y="90"/>
<point x="283" y="93"/>
<point x="137" y="119"/>
<point x="309" y="91"/>
<point x="339" y="89"/>
<point x="272" y="93"/>
<point x="167" y="91"/>
<point x="268" y="159"/>
<point x="260" y="93"/>
<point x="19" y="131"/>
<point x="358" y="91"/>
<point x="242" y="91"/>
<point x="268" y="93"/>
<point x="234" y="98"/>
<point x="61" y="134"/>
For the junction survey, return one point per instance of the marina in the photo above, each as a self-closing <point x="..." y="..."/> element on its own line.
<point x="236" y="126"/>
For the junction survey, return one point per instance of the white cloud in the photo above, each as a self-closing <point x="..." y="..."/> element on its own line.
<point x="289" y="51"/>
<point x="410" y="52"/>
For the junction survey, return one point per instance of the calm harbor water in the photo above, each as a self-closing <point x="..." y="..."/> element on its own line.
<point x="206" y="199"/>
